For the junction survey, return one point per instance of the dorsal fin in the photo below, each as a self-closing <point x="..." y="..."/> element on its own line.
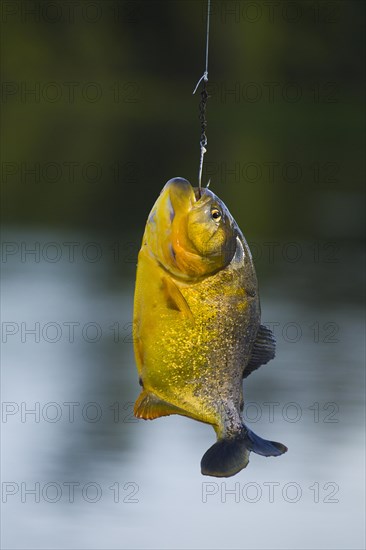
<point x="264" y="349"/>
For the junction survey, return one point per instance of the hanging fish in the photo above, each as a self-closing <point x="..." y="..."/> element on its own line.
<point x="197" y="330"/>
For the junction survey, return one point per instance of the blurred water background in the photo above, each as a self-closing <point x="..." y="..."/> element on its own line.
<point x="97" y="114"/>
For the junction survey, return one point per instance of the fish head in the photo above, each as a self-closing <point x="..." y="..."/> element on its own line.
<point x="190" y="231"/>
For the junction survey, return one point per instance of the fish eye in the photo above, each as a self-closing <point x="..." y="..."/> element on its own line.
<point x="216" y="214"/>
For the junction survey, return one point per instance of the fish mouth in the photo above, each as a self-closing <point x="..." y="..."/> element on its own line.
<point x="202" y="193"/>
<point x="166" y="234"/>
<point x="197" y="193"/>
<point x="180" y="197"/>
<point x="179" y="249"/>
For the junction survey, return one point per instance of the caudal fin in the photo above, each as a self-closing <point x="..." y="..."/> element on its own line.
<point x="228" y="456"/>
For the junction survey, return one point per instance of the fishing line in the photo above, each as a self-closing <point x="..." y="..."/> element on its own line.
<point x="203" y="102"/>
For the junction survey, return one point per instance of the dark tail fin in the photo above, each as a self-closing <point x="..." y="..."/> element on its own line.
<point x="228" y="456"/>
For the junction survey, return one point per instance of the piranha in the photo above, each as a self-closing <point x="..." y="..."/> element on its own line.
<point x="196" y="327"/>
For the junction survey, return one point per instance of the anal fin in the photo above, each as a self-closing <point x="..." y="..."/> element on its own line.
<point x="149" y="406"/>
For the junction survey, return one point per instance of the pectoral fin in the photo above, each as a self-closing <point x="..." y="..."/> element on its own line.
<point x="148" y="406"/>
<point x="175" y="299"/>
<point x="264" y="349"/>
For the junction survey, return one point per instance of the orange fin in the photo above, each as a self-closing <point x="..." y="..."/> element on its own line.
<point x="148" y="406"/>
<point x="175" y="299"/>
